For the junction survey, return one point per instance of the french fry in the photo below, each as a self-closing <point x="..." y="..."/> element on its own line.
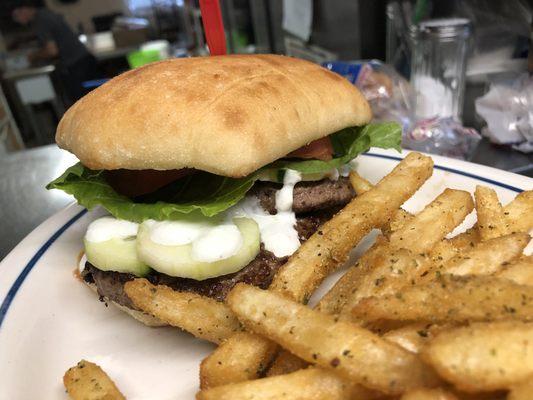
<point x="243" y="346"/>
<point x="335" y="299"/>
<point x="521" y="391"/>
<point x="483" y="356"/>
<point x="487" y="257"/>
<point x="443" y="252"/>
<point x="466" y="240"/>
<point x="328" y="249"/>
<point x="429" y="394"/>
<point x="359" y="184"/>
<point x="447" y="249"/>
<point x="520" y="212"/>
<point x="494" y="395"/>
<point x="401" y="263"/>
<point x="476" y="258"/>
<point x="309" y="384"/>
<point x="465" y="254"/>
<point x="330" y="246"/>
<point x="520" y="271"/>
<point x="205" y="318"/>
<point x="413" y="337"/>
<point x="491" y="219"/>
<point x="392" y="269"/>
<point x="285" y="363"/>
<point x="399" y="218"/>
<point x="452" y="298"/>
<point x="436" y="220"/>
<point x="353" y="352"/>
<point x="88" y="381"/>
<point x="333" y="302"/>
<point x="390" y="274"/>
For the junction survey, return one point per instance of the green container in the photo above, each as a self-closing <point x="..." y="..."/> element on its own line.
<point x="143" y="57"/>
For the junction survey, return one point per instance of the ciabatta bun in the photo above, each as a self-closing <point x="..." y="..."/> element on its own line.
<point x="228" y="115"/>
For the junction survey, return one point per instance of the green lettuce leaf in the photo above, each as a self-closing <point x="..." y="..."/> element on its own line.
<point x="211" y="194"/>
<point x="207" y="193"/>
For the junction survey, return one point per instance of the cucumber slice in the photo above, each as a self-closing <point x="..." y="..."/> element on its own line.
<point x="178" y="260"/>
<point x="117" y="254"/>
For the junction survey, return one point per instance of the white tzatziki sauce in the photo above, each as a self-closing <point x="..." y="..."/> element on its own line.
<point x="278" y="231"/>
<point x="218" y="243"/>
<point x="333" y="175"/>
<point x="107" y="228"/>
<point x="345" y="169"/>
<point x="210" y="242"/>
<point x="284" y="196"/>
<point x="176" y="233"/>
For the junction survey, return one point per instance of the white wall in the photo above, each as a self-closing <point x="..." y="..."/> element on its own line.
<point x="83" y="10"/>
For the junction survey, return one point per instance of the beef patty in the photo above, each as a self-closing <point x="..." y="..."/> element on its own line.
<point x="259" y="272"/>
<point x="307" y="196"/>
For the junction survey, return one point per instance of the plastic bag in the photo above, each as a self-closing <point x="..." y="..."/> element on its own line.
<point x="508" y="110"/>
<point x="392" y="98"/>
<point x="443" y="136"/>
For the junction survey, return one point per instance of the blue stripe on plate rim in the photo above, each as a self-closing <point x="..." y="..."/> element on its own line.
<point x="29" y="266"/>
<point x="455" y="171"/>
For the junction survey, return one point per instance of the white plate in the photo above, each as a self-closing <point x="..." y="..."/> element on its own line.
<point x="49" y="321"/>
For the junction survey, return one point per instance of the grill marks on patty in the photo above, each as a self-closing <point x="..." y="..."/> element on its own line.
<point x="316" y="204"/>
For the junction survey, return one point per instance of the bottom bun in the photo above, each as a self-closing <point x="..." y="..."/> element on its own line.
<point x="140" y="316"/>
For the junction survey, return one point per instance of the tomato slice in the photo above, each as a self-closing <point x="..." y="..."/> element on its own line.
<point x="320" y="149"/>
<point x="134" y="183"/>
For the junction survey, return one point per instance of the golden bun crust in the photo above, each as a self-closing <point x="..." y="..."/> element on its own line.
<point x="228" y="115"/>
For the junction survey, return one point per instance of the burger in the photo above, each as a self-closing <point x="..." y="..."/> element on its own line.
<point x="211" y="170"/>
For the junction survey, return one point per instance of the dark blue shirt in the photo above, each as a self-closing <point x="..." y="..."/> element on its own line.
<point x="50" y="26"/>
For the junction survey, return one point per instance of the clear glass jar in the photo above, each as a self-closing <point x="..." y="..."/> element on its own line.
<point x="438" y="66"/>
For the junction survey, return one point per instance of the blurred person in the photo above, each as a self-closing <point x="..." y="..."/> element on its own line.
<point x="58" y="42"/>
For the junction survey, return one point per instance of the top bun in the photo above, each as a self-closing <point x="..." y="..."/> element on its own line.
<point x="228" y="115"/>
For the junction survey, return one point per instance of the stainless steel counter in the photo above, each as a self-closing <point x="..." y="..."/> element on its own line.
<point x="29" y="72"/>
<point x="25" y="203"/>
